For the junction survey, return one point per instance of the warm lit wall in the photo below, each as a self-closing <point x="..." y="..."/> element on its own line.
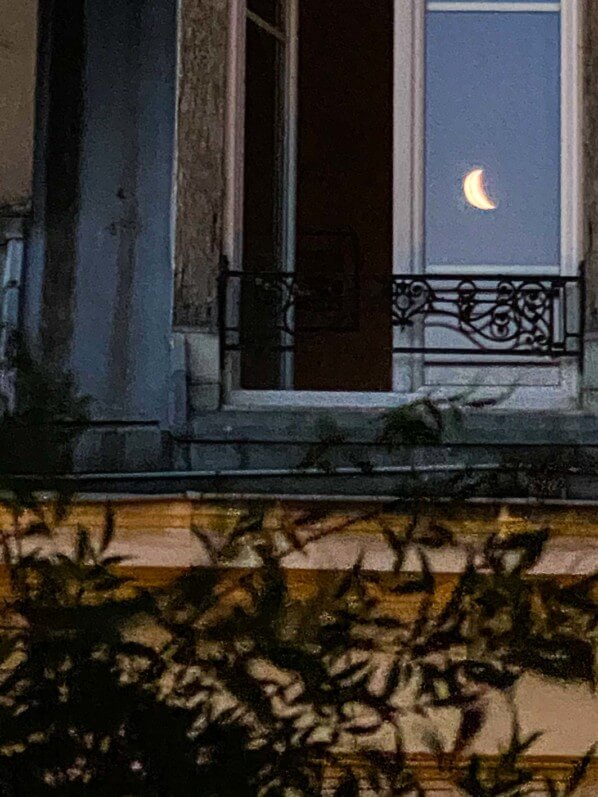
<point x="18" y="36"/>
<point x="155" y="535"/>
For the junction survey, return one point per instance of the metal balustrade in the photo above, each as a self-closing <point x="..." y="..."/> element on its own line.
<point x="523" y="315"/>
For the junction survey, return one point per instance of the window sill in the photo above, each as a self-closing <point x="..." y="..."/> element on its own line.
<point x="524" y="399"/>
<point x="314" y="399"/>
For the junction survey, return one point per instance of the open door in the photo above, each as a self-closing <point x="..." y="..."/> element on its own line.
<point x="317" y="207"/>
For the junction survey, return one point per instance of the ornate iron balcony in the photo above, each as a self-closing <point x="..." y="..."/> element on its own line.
<point x="527" y="316"/>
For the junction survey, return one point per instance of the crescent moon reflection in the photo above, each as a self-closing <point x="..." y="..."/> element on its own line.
<point x="475" y="191"/>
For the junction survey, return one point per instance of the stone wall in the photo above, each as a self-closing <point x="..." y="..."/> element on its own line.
<point x="200" y="153"/>
<point x="18" y="41"/>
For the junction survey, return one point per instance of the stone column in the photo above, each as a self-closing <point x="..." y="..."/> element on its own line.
<point x="203" y="26"/>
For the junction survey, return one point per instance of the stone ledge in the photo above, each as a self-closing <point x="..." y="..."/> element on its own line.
<point x="153" y="517"/>
<point x="478" y="427"/>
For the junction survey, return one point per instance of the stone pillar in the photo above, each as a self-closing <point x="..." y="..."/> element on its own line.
<point x="200" y="159"/>
<point x="203" y="26"/>
<point x="11" y="273"/>
<point x="18" y="45"/>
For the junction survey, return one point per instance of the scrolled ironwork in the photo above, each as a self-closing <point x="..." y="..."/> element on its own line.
<point x="525" y="315"/>
<point x="410" y="299"/>
<point x="511" y="313"/>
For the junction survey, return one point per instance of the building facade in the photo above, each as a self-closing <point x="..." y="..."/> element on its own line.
<point x="253" y="228"/>
<point x="181" y="289"/>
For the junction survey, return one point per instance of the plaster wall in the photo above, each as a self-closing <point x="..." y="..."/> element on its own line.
<point x="18" y="41"/>
<point x="118" y="304"/>
<point x="123" y="295"/>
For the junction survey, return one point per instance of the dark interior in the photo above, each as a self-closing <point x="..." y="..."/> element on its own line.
<point x="344" y="192"/>
<point x="262" y="233"/>
<point x="344" y="196"/>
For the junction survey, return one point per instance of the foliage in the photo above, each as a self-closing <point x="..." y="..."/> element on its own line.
<point x="537" y="471"/>
<point x="546" y="473"/>
<point x="420" y="422"/>
<point x="37" y="437"/>
<point x="225" y="683"/>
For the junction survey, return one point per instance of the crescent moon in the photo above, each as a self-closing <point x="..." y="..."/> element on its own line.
<point x="475" y="192"/>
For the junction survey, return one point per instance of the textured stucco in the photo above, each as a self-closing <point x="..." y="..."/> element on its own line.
<point x="200" y="147"/>
<point x="18" y="33"/>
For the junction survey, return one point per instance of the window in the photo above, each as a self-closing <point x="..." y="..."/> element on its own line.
<point x="493" y="109"/>
<point x="410" y="195"/>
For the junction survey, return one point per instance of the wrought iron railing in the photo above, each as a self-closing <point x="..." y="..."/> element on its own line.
<point x="523" y="315"/>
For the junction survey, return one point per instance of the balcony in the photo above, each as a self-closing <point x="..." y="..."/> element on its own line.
<point x="524" y="317"/>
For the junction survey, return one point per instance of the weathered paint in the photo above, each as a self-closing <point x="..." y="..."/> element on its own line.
<point x="124" y="285"/>
<point x="118" y="225"/>
<point x="200" y="152"/>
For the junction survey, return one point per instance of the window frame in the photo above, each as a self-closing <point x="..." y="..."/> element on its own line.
<point x="408" y="190"/>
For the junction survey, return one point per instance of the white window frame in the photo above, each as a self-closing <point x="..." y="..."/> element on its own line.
<point x="408" y="190"/>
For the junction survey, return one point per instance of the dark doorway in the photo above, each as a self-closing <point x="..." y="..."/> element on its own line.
<point x="344" y="192"/>
<point x="338" y="286"/>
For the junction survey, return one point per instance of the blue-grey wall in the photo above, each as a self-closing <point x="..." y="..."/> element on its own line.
<point x="121" y="306"/>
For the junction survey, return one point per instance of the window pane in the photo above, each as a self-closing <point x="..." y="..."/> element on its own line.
<point x="492" y="138"/>
<point x="269" y="10"/>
